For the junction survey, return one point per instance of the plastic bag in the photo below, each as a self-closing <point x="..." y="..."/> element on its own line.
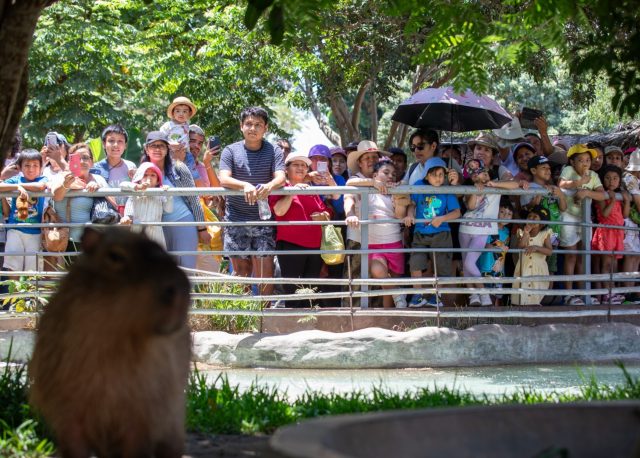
<point x="332" y="240"/>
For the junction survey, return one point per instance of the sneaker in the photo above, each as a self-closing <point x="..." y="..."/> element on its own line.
<point x="474" y="300"/>
<point x="417" y="301"/>
<point x="573" y="300"/>
<point x="614" y="299"/>
<point x="433" y="301"/>
<point x="595" y="301"/>
<point x="279" y="304"/>
<point x="618" y="298"/>
<point x="485" y="300"/>
<point x="400" y="301"/>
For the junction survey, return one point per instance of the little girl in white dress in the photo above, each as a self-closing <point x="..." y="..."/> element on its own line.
<point x="146" y="209"/>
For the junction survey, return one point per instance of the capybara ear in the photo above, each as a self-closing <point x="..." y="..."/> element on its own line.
<point x="91" y="239"/>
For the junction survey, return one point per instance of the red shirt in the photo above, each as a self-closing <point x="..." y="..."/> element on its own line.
<point x="302" y="206"/>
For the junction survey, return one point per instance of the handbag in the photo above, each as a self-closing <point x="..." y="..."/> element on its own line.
<point x="104" y="211"/>
<point x="55" y="239"/>
<point x="331" y="241"/>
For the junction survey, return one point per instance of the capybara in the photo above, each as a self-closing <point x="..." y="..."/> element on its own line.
<point x="111" y="359"/>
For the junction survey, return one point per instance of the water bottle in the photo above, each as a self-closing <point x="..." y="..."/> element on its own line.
<point x="263" y="209"/>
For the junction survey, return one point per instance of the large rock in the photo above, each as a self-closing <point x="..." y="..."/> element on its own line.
<point x="20" y="342"/>
<point x="380" y="348"/>
<point x="424" y="347"/>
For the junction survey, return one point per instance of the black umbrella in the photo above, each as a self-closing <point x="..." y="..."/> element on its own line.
<point x="443" y="109"/>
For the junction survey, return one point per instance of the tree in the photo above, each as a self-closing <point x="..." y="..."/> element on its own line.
<point x="17" y="23"/>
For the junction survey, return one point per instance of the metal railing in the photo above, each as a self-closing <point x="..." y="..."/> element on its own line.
<point x="436" y="284"/>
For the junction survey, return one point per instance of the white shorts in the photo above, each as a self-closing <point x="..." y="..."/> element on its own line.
<point x="569" y="233"/>
<point x="18" y="241"/>
<point x="631" y="238"/>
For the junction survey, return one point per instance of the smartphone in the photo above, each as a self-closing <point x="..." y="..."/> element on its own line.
<point x="74" y="164"/>
<point x="213" y="142"/>
<point x="527" y="115"/>
<point x="323" y="167"/>
<point x="51" y="139"/>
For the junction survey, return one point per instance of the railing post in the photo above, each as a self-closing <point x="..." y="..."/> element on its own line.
<point x="364" y="245"/>
<point x="586" y="245"/>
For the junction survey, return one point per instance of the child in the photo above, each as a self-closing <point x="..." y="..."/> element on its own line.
<point x="147" y="209"/>
<point x="473" y="235"/>
<point x="631" y="181"/>
<point x="555" y="204"/>
<point x="176" y="129"/>
<point x="384" y="236"/>
<point x="24" y="209"/>
<point x="436" y="233"/>
<point x="611" y="212"/>
<point x="536" y="241"/>
<point x="491" y="263"/>
<point x="577" y="176"/>
<point x="613" y="156"/>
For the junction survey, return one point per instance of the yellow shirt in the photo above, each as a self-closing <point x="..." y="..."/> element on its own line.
<point x="570" y="174"/>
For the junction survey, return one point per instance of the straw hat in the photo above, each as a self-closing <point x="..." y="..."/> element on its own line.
<point x="484" y="139"/>
<point x="364" y="147"/>
<point x="181" y="101"/>
<point x="634" y="162"/>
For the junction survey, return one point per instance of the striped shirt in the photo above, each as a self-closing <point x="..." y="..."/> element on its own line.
<point x="255" y="167"/>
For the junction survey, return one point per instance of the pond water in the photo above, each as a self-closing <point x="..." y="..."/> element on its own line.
<point x="477" y="380"/>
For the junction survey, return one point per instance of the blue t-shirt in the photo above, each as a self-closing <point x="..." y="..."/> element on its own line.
<point x="255" y="167"/>
<point x="26" y="212"/>
<point x="180" y="211"/>
<point x="486" y="260"/>
<point x="428" y="206"/>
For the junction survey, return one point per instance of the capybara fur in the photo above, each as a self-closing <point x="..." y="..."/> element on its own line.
<point x="111" y="359"/>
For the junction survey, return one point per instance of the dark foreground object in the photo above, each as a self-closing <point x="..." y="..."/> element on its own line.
<point x="565" y="430"/>
<point x="111" y="359"/>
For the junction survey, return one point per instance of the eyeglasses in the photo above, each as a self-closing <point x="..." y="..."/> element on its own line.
<point x="84" y="158"/>
<point x="419" y="147"/>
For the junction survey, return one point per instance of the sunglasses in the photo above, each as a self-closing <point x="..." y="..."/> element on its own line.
<point x="419" y="147"/>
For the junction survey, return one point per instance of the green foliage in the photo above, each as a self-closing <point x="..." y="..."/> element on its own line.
<point x="25" y="295"/>
<point x="23" y="441"/>
<point x="228" y="323"/>
<point x="94" y="63"/>
<point x="221" y="408"/>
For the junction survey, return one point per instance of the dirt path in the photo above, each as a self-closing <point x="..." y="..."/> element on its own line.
<point x="228" y="446"/>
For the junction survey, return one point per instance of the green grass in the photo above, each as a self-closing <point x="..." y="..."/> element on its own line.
<point x="221" y="408"/>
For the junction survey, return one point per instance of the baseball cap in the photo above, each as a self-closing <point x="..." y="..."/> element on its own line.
<point x="433" y="163"/>
<point x="581" y="148"/>
<point x="155" y="136"/>
<point x="535" y="161"/>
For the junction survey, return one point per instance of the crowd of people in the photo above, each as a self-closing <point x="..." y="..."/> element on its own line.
<point x="461" y="227"/>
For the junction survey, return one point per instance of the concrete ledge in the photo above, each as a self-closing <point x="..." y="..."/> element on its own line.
<point x="424" y="347"/>
<point x="372" y="348"/>
<point x="584" y="430"/>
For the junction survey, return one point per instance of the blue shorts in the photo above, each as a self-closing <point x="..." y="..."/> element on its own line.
<point x="250" y="238"/>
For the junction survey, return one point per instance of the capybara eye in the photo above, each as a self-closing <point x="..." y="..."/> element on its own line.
<point x="117" y="256"/>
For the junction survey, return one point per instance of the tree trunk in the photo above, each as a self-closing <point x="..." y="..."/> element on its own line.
<point x="373" y="113"/>
<point x="326" y="129"/>
<point x="18" y="21"/>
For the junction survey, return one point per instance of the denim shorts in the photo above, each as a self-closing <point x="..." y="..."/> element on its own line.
<point x="250" y="238"/>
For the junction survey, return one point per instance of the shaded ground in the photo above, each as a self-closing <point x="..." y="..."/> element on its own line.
<point x="219" y="445"/>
